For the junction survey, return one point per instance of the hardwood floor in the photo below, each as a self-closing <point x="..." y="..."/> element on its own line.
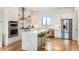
<point x="60" y="45"/>
<point x="13" y="47"/>
<point x="51" y="45"/>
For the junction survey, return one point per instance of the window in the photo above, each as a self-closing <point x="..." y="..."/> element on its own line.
<point x="46" y="21"/>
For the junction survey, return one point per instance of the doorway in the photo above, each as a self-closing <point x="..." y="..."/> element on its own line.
<point x="66" y="29"/>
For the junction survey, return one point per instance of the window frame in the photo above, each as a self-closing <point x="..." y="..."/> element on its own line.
<point x="46" y="21"/>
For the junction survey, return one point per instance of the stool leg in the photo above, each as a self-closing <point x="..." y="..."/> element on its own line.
<point x="44" y="41"/>
<point x="41" y="41"/>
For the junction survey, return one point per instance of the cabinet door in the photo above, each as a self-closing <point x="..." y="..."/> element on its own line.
<point x="1" y="26"/>
<point x="11" y="13"/>
<point x="29" y="41"/>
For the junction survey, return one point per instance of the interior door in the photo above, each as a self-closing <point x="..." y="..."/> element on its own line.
<point x="66" y="31"/>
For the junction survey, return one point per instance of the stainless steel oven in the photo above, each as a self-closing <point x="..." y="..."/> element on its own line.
<point x="13" y="28"/>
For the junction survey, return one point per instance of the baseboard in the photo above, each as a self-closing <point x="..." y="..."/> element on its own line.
<point x="23" y="50"/>
<point x="58" y="38"/>
<point x="63" y="38"/>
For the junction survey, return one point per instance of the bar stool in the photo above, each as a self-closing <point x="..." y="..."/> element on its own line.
<point x="42" y="39"/>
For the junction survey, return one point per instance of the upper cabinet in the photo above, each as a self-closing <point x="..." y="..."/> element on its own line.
<point x="77" y="23"/>
<point x="11" y="13"/>
<point x="1" y="14"/>
<point x="67" y="16"/>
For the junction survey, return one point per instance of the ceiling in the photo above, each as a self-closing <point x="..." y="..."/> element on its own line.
<point x="47" y="8"/>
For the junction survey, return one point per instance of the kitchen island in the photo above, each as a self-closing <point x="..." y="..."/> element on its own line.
<point x="30" y="38"/>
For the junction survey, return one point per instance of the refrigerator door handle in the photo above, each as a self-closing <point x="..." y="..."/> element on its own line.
<point x="66" y="26"/>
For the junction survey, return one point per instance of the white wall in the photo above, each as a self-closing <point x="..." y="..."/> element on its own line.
<point x="56" y="16"/>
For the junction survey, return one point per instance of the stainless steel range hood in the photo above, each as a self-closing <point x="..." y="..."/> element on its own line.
<point x="22" y="12"/>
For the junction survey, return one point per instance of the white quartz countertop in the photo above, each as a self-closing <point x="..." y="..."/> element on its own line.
<point x="36" y="31"/>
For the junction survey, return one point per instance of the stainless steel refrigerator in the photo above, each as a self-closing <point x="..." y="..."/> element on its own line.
<point x="66" y="28"/>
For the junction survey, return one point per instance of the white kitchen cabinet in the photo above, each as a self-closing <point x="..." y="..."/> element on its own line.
<point x="58" y="33"/>
<point x="1" y="26"/>
<point x="29" y="41"/>
<point x="77" y="24"/>
<point x="67" y="16"/>
<point x="11" y="13"/>
<point x="1" y="13"/>
<point x="1" y="33"/>
<point x="57" y="25"/>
